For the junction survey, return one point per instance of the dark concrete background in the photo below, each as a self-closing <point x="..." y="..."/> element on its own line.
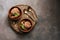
<point x="47" y="28"/>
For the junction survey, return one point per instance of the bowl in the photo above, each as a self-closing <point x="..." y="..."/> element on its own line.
<point x="26" y="29"/>
<point x="14" y="13"/>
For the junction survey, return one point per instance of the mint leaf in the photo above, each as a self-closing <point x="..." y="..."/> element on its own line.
<point x="16" y="14"/>
<point x="22" y="26"/>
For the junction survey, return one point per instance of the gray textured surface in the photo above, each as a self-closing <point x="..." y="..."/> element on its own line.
<point x="45" y="29"/>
